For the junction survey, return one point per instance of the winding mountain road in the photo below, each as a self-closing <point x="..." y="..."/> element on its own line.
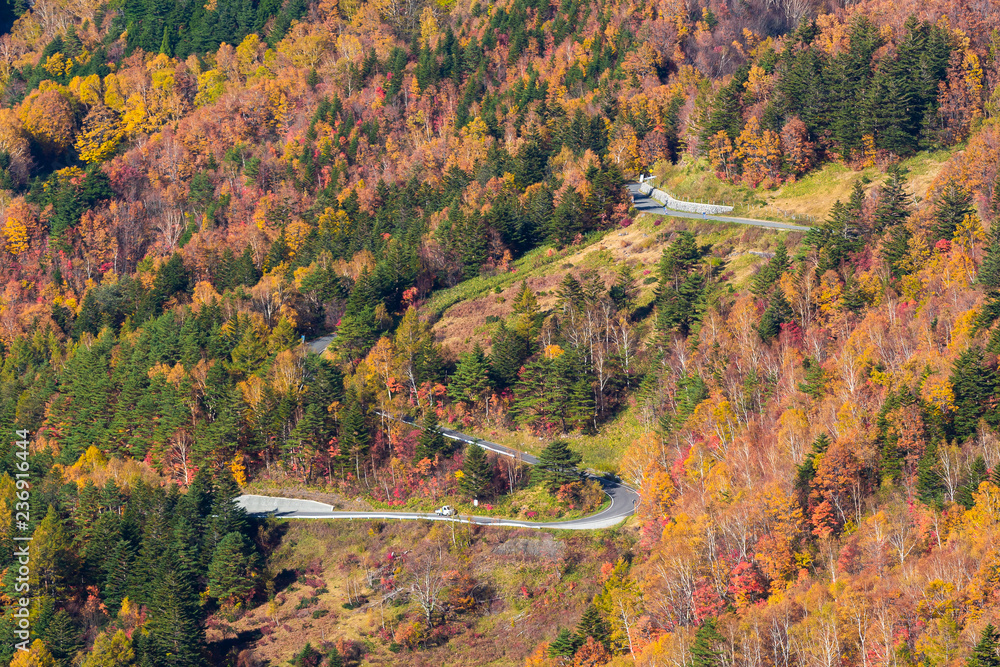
<point x="624" y="500"/>
<point x="647" y="204"/>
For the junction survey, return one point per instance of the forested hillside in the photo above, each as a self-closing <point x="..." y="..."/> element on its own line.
<point x="187" y="191"/>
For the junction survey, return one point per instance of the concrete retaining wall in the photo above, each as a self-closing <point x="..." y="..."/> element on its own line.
<point x="266" y="504"/>
<point x="678" y="205"/>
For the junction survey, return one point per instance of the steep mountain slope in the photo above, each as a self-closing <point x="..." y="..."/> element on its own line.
<point x="188" y="190"/>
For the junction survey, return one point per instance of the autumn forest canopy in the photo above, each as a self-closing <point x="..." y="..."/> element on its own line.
<point x="190" y="191"/>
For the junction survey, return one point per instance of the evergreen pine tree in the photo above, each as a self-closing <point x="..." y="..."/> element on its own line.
<point x="570" y="293"/>
<point x="226" y="515"/>
<point x="726" y="110"/>
<point x="564" y="645"/>
<point x="815" y="382"/>
<point x="476" y="472"/>
<point x="567" y="220"/>
<point x="581" y="414"/>
<point x="245" y="271"/>
<point x="358" y="328"/>
<point x="470" y="383"/>
<point x="683" y="283"/>
<point x="101" y="537"/>
<point x="196" y="504"/>
<point x="557" y="465"/>
<point x="230" y="574"/>
<point x="165" y="42"/>
<point x="87" y="509"/>
<point x="63" y="638"/>
<point x="307" y="657"/>
<point x="354" y="437"/>
<point x="508" y="354"/>
<point x="978" y="474"/>
<point x="334" y="659"/>
<point x="249" y="354"/>
<point x="778" y="312"/>
<point x="155" y="542"/>
<point x="841" y="234"/>
<point x="304" y="440"/>
<point x="624" y="291"/>
<point x="191" y="343"/>
<point x="891" y="462"/>
<point x="771" y="272"/>
<point x="526" y="313"/>
<point x="894" y="201"/>
<point x="282" y="336"/>
<point x="704" y="650"/>
<point x="930" y="486"/>
<point x="989" y="275"/>
<point x="950" y="210"/>
<point x="117" y="579"/>
<point x="431" y="442"/>
<point x="531" y="161"/>
<point x="176" y="638"/>
<point x="989" y="272"/>
<point x="896" y="248"/>
<point x="472" y="245"/>
<point x="530" y="403"/>
<point x="186" y="545"/>
<point x="806" y="470"/>
<point x="985" y="652"/>
<point x="593" y="625"/>
<point x="974" y="383"/>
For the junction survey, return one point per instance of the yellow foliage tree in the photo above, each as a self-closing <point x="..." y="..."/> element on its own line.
<point x="57" y="65"/>
<point x="113" y="95"/>
<point x="760" y="152"/>
<point x="211" y="85"/>
<point x="248" y="55"/>
<point x="295" y="235"/>
<point x="15" y="144"/>
<point x="20" y="226"/>
<point x="88" y="90"/>
<point x="101" y="135"/>
<point x="621" y="601"/>
<point x="239" y="470"/>
<point x="623" y="146"/>
<point x="111" y="650"/>
<point x="37" y="656"/>
<point x="720" y="154"/>
<point x="48" y="118"/>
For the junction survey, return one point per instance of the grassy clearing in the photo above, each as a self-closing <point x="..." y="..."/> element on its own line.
<point x="601" y="452"/>
<point x="460" y="313"/>
<point x="806" y="201"/>
<point x="692" y="179"/>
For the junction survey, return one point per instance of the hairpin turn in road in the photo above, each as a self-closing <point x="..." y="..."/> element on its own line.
<point x="624" y="500"/>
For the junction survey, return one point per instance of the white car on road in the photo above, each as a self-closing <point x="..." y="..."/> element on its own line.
<point x="447" y="510"/>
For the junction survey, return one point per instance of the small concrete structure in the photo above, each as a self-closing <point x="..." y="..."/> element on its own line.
<point x="678" y="205"/>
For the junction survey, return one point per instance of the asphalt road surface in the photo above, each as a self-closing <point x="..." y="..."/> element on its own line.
<point x="649" y="205"/>
<point x="321" y="343"/>
<point x="624" y="500"/>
